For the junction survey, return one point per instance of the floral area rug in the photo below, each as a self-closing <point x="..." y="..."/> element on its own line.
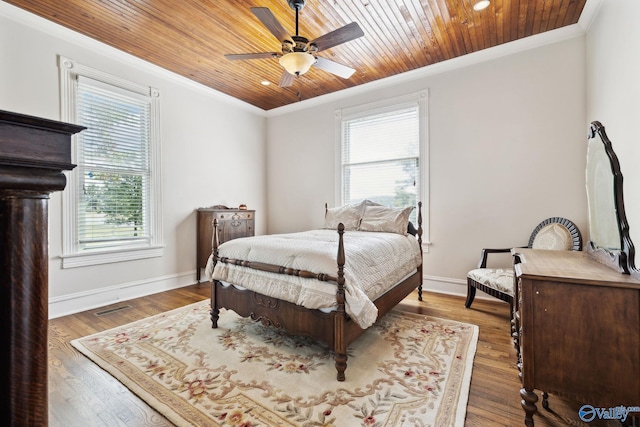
<point x="406" y="370"/>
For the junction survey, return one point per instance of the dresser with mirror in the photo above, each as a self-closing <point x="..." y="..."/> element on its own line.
<point x="578" y="313"/>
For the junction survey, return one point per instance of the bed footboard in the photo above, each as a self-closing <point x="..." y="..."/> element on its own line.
<point x="334" y="328"/>
<point x="329" y="328"/>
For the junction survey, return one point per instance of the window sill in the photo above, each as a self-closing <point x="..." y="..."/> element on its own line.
<point x="107" y="257"/>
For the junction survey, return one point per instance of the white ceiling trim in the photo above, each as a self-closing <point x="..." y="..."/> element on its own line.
<point x="589" y="13"/>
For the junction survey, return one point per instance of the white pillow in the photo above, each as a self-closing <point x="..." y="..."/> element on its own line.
<point x="349" y="215"/>
<point x="382" y="218"/>
<point x="368" y="202"/>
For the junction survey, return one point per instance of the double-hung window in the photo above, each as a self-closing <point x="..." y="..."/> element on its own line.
<point x="383" y="153"/>
<point x="112" y="202"/>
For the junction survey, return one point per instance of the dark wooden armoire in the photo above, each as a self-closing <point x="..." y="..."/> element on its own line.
<point x="34" y="152"/>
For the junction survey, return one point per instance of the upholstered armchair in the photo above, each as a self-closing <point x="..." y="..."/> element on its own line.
<point x="553" y="234"/>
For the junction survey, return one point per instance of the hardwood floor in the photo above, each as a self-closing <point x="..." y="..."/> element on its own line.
<point x="82" y="394"/>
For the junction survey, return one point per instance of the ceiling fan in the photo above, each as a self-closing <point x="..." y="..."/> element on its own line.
<point x="298" y="53"/>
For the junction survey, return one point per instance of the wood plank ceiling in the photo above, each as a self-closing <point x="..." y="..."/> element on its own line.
<point x="191" y="37"/>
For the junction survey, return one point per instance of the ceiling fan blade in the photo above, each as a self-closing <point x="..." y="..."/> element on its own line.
<point x="341" y="35"/>
<point x="269" y="20"/>
<point x="334" y="67"/>
<point x="287" y="79"/>
<point x="261" y="55"/>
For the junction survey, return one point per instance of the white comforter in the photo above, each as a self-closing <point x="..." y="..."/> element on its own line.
<point x="375" y="262"/>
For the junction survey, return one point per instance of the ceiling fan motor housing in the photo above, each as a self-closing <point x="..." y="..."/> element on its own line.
<point x="300" y="44"/>
<point x="296" y="4"/>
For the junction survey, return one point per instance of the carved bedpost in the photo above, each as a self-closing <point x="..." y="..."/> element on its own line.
<point x="215" y="311"/>
<point x="214" y="241"/>
<point x="341" y="315"/>
<point x="419" y="232"/>
<point x="341" y="261"/>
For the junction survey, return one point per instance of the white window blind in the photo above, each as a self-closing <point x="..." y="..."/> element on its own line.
<point x="114" y="165"/>
<point x="381" y="156"/>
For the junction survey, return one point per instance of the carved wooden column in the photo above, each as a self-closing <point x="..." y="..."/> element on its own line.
<point x="34" y="152"/>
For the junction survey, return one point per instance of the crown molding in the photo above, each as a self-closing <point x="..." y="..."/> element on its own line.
<point x="589" y="13"/>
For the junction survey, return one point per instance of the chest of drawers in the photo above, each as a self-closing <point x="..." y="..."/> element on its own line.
<point x="232" y="224"/>
<point x="578" y="330"/>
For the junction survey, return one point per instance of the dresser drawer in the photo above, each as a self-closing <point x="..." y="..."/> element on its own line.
<point x="234" y="215"/>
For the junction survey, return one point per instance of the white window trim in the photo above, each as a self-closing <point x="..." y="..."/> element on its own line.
<point x="69" y="70"/>
<point x="422" y="98"/>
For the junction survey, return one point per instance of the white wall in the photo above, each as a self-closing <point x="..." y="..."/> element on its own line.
<point x="613" y="88"/>
<point x="213" y="152"/>
<point x="507" y="139"/>
<point x="507" y="149"/>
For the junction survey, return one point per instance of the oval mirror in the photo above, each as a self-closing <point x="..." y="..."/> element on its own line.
<point x="609" y="240"/>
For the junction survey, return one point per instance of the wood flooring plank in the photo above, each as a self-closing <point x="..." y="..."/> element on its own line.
<point x="82" y="394"/>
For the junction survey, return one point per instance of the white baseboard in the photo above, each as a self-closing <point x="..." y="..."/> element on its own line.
<point x="448" y="286"/>
<point x="82" y="301"/>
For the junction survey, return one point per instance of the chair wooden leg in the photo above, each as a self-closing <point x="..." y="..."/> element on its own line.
<point x="471" y="294"/>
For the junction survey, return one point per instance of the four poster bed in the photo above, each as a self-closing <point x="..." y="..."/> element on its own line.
<point x="296" y="282"/>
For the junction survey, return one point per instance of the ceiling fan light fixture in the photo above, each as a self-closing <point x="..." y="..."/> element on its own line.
<point x="481" y="5"/>
<point x="297" y="63"/>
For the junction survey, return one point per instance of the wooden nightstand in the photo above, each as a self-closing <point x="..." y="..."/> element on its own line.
<point x="232" y="223"/>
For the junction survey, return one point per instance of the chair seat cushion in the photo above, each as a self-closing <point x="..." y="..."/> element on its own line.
<point x="494" y="278"/>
